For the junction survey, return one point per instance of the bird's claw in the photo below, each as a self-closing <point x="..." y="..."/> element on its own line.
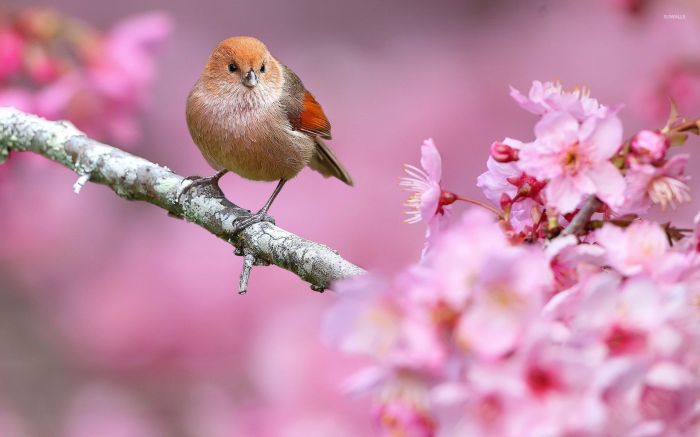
<point x="244" y="222"/>
<point x="195" y="181"/>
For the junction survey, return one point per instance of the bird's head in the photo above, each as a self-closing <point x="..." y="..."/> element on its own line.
<point x="243" y="65"/>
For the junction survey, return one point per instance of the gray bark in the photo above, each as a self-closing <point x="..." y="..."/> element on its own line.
<point x="135" y="178"/>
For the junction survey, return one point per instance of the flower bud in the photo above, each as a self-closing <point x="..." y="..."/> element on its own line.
<point x="503" y="152"/>
<point x="447" y="198"/>
<point x="649" y="146"/>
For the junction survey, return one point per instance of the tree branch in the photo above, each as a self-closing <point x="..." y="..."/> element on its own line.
<point x="135" y="178"/>
<point x="580" y="220"/>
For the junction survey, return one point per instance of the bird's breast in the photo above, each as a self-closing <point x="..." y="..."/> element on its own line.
<point x="249" y="138"/>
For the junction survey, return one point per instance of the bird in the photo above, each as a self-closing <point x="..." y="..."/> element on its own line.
<point x="250" y="114"/>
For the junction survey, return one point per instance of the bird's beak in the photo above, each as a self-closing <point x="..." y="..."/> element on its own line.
<point x="250" y="79"/>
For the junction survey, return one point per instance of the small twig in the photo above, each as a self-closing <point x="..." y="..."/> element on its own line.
<point x="248" y="262"/>
<point x="580" y="220"/>
<point x="135" y="178"/>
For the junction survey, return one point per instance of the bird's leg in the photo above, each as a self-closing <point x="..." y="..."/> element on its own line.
<point x="198" y="180"/>
<point x="262" y="214"/>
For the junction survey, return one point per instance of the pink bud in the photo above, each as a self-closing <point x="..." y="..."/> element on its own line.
<point x="503" y="152"/>
<point x="649" y="146"/>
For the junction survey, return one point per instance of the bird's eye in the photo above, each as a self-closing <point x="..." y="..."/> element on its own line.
<point x="262" y="68"/>
<point x="232" y="68"/>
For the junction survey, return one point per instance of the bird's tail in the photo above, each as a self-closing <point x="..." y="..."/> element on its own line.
<point x="325" y="162"/>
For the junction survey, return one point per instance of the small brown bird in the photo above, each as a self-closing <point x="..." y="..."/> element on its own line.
<point x="250" y="114"/>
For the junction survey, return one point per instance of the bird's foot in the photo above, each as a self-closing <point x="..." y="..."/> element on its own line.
<point x="195" y="181"/>
<point x="249" y="220"/>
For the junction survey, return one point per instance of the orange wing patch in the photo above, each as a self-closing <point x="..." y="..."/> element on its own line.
<point x="312" y="118"/>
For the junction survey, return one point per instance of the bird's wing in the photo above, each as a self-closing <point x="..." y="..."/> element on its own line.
<point x="303" y="111"/>
<point x="325" y="162"/>
<point x="306" y="115"/>
<point x="312" y="119"/>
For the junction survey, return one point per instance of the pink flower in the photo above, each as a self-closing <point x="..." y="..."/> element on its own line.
<point x="424" y="202"/>
<point x="550" y="97"/>
<point x="127" y="64"/>
<point x="370" y="306"/>
<point x="495" y="182"/>
<point x="572" y="262"/>
<point x="575" y="159"/>
<point x="365" y="311"/>
<point x="670" y="393"/>
<point x="11" y="47"/>
<point x="428" y="201"/>
<point x="501" y="286"/>
<point x="403" y="409"/>
<point x="505" y="181"/>
<point x="634" y="250"/>
<point x="649" y="146"/>
<point x="648" y="184"/>
<point x="586" y="334"/>
<point x="506" y="296"/>
<point x="453" y="265"/>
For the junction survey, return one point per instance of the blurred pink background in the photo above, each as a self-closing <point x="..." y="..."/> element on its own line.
<point x="117" y="318"/>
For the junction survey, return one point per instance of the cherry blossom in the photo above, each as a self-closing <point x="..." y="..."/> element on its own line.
<point x="506" y="327"/>
<point x="550" y="97"/>
<point x="663" y="185"/>
<point x="575" y="159"/>
<point x="424" y="185"/>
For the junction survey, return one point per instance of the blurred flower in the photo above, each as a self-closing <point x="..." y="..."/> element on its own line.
<point x="61" y="69"/>
<point x="575" y="159"/>
<point x="11" y="47"/>
<point x="506" y="297"/>
<point x="634" y="250"/>
<point x="571" y="262"/>
<point x="664" y="185"/>
<point x="403" y="409"/>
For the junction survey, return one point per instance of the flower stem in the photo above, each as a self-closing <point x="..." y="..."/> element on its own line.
<point x="481" y="204"/>
<point x="692" y="125"/>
